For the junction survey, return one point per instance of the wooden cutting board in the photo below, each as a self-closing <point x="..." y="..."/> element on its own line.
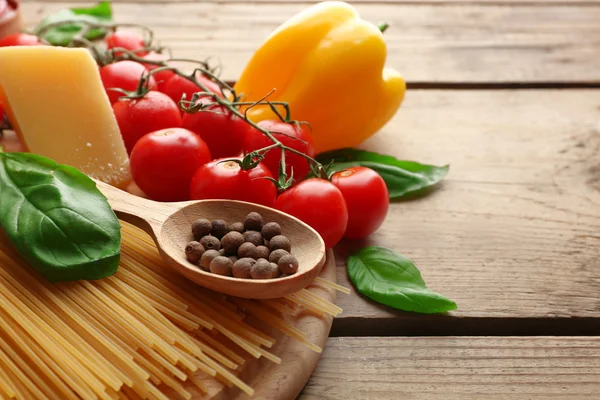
<point x="284" y="381"/>
<point x="270" y="380"/>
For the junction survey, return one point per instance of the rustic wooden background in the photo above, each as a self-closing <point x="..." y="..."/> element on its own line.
<point x="508" y="93"/>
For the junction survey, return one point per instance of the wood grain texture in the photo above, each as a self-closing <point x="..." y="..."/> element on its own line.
<point x="451" y="368"/>
<point x="286" y="380"/>
<point x="428" y="43"/>
<point x="514" y="231"/>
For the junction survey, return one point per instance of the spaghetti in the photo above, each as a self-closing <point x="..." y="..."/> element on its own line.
<point x="144" y="332"/>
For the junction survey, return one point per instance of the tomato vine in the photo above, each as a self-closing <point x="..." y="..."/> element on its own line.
<point x="228" y="98"/>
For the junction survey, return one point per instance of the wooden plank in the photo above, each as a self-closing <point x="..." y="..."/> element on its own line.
<point x="513" y="234"/>
<point x="451" y="368"/>
<point x="428" y="43"/>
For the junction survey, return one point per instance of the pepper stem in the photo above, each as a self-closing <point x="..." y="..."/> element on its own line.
<point x="383" y="26"/>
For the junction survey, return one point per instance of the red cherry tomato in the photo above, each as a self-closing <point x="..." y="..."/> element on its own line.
<point x="295" y="136"/>
<point x="163" y="163"/>
<point x="320" y="204"/>
<point x="124" y="75"/>
<point x="177" y="86"/>
<point x="153" y="112"/>
<point x="367" y="199"/>
<point x="223" y="132"/>
<point x="161" y="77"/>
<point x="20" y="39"/>
<point x="128" y="40"/>
<point x="226" y="180"/>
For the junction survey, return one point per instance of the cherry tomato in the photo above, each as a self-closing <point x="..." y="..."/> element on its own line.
<point x="367" y="199"/>
<point x="153" y="112"/>
<point x="124" y="75"/>
<point x="226" y="180"/>
<point x="320" y="204"/>
<point x="20" y="39"/>
<point x="177" y="86"/>
<point x="163" y="163"/>
<point x="223" y="132"/>
<point x="161" y="77"/>
<point x="128" y="40"/>
<point x="295" y="136"/>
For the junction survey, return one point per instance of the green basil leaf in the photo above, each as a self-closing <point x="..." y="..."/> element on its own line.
<point x="57" y="219"/>
<point x="390" y="278"/>
<point x="63" y="34"/>
<point x="403" y="178"/>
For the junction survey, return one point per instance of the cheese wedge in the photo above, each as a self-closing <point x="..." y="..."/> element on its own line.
<point x="55" y="100"/>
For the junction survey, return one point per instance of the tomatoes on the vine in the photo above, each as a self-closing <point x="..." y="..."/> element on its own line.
<point x="163" y="163"/>
<point x="124" y="75"/>
<point x="295" y="136"/>
<point x="137" y="117"/>
<point x="227" y="180"/>
<point x="367" y="199"/>
<point x="320" y="204"/>
<point x="177" y="86"/>
<point x="161" y="77"/>
<point x="128" y="40"/>
<point x="20" y="39"/>
<point x="222" y="131"/>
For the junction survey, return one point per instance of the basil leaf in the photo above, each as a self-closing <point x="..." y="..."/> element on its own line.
<point x="57" y="219"/>
<point x="390" y="278"/>
<point x="403" y="178"/>
<point x="63" y="34"/>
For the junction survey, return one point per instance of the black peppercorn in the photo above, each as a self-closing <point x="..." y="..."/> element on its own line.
<point x="221" y="266"/>
<point x="261" y="270"/>
<point x="288" y="264"/>
<point x="207" y="258"/>
<point x="231" y="242"/>
<point x="276" y="273"/>
<point x="253" y="237"/>
<point x="210" y="243"/>
<point x="280" y="242"/>
<point x="237" y="227"/>
<point x="262" y="252"/>
<point x="193" y="252"/>
<point x="219" y="228"/>
<point x="276" y="255"/>
<point x="253" y="222"/>
<point x="270" y="230"/>
<point x="242" y="267"/>
<point x="247" y="250"/>
<point x="200" y="228"/>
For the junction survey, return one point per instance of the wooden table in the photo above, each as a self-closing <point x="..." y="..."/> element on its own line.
<point x="508" y="93"/>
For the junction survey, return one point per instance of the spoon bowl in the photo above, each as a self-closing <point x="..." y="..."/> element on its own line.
<point x="169" y="224"/>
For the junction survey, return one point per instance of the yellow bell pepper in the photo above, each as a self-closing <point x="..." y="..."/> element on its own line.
<point x="328" y="64"/>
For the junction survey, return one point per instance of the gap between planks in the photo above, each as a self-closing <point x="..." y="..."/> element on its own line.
<point x="512" y="234"/>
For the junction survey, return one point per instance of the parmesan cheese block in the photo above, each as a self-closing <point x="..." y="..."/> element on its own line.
<point x="55" y="101"/>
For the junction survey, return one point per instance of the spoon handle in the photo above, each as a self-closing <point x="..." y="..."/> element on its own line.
<point x="145" y="214"/>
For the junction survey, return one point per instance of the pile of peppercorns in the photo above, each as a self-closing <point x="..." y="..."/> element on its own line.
<point x="248" y="250"/>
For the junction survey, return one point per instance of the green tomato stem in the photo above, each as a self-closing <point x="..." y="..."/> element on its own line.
<point x="232" y="106"/>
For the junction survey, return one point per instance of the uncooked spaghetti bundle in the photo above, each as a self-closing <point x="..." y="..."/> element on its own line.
<point x="144" y="332"/>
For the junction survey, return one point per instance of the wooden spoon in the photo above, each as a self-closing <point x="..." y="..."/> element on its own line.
<point x="169" y="224"/>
